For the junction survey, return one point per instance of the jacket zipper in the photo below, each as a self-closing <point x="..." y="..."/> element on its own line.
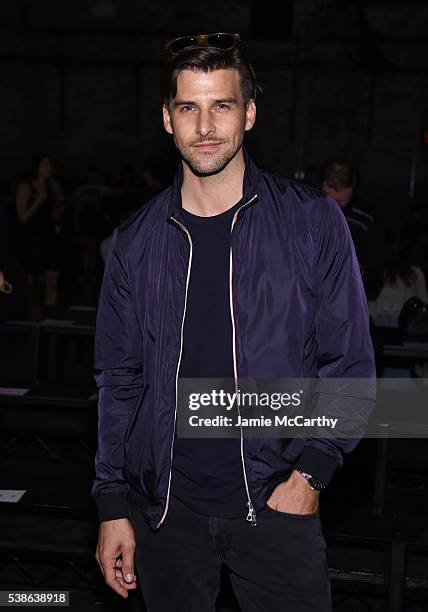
<point x="251" y="516"/>
<point x="178" y="364"/>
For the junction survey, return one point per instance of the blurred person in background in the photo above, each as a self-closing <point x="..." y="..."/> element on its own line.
<point x="339" y="179"/>
<point x="14" y="295"/>
<point x="401" y="281"/>
<point x="156" y="176"/>
<point x="39" y="209"/>
<point x="91" y="219"/>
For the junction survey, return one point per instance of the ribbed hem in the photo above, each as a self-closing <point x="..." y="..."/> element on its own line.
<point x="112" y="506"/>
<point x="317" y="463"/>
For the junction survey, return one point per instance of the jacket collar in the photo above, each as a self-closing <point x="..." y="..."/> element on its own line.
<point x="250" y="185"/>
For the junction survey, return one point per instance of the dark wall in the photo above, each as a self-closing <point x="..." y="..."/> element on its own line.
<point x="82" y="79"/>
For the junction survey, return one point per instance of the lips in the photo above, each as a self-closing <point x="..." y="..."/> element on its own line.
<point x="208" y="145"/>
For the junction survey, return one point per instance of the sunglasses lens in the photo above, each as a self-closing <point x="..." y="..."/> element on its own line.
<point x="223" y="41"/>
<point x="182" y="43"/>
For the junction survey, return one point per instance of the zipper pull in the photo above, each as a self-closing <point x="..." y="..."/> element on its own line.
<point x="251" y="516"/>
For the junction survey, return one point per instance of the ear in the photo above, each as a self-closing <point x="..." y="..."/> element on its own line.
<point x="167" y="119"/>
<point x="250" y="115"/>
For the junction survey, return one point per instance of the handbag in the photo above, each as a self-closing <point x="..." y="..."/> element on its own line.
<point x="413" y="319"/>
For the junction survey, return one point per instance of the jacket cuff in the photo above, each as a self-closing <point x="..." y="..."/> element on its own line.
<point x="317" y="463"/>
<point x="112" y="506"/>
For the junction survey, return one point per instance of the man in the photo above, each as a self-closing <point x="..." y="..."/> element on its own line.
<point x="229" y="273"/>
<point x="339" y="179"/>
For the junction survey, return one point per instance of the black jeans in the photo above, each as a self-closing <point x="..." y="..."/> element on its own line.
<point x="277" y="566"/>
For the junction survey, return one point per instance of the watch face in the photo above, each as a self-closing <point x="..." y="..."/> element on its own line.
<point x="312" y="481"/>
<point x="316" y="484"/>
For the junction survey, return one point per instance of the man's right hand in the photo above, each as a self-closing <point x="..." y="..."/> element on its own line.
<point x="117" y="538"/>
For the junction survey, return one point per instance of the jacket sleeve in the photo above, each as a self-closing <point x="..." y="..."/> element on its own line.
<point x="344" y="346"/>
<point x="118" y="374"/>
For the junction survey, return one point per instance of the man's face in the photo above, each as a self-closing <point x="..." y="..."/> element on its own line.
<point x="208" y="119"/>
<point x="342" y="197"/>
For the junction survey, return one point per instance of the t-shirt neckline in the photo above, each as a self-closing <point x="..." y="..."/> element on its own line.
<point x="224" y="216"/>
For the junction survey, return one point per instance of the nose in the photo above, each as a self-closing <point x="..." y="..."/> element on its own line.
<point x="205" y="125"/>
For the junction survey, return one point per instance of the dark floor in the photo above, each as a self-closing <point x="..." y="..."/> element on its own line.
<point x="47" y="446"/>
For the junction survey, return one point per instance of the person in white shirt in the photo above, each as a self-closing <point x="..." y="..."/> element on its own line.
<point x="402" y="281"/>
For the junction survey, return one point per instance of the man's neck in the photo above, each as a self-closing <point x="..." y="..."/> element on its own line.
<point x="207" y="196"/>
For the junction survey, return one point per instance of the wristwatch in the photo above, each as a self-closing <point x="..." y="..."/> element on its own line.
<point x="314" y="483"/>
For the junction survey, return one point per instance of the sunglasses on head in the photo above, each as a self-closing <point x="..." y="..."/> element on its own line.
<point x="220" y="40"/>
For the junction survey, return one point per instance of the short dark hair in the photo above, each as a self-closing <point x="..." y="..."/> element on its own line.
<point x="339" y="174"/>
<point x="204" y="58"/>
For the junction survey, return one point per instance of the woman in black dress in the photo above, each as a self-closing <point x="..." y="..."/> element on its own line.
<point x="39" y="207"/>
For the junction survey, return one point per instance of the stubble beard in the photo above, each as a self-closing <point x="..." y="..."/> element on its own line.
<point x="207" y="164"/>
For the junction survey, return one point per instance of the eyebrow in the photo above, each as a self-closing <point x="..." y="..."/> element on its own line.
<point x="191" y="103"/>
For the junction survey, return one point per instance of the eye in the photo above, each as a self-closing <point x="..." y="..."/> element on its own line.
<point x="222" y="106"/>
<point x="186" y="108"/>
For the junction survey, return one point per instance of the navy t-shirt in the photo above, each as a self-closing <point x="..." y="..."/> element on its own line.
<point x="207" y="473"/>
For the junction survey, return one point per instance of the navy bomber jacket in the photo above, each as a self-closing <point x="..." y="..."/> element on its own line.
<point x="298" y="311"/>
